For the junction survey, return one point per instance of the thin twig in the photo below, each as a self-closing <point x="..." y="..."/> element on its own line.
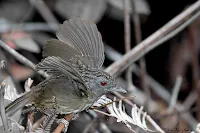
<point x="36" y="26"/>
<point x="101" y="112"/>
<point x="2" y="106"/>
<point x="190" y="100"/>
<point x="175" y="93"/>
<point x="127" y="42"/>
<point x="155" y="125"/>
<point x="117" y="100"/>
<point x="45" y="12"/>
<point x="87" y="128"/>
<point x="21" y="58"/>
<point x="139" y="97"/>
<point x="94" y="116"/>
<point x="159" y="89"/>
<point x="191" y="110"/>
<point x="21" y="22"/>
<point x="103" y="128"/>
<point x="148" y="44"/>
<point x="138" y="37"/>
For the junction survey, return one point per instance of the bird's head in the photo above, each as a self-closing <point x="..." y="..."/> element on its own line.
<point x="102" y="82"/>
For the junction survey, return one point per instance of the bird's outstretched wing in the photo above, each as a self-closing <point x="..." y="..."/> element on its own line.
<point x="78" y="38"/>
<point x="56" y="66"/>
<point x="55" y="47"/>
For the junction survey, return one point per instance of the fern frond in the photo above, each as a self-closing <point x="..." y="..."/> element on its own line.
<point x="117" y="110"/>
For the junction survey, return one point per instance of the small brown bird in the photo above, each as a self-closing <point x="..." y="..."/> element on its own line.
<point x="73" y="63"/>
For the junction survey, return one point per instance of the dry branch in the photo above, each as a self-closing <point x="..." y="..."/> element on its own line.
<point x="158" y="89"/>
<point x="45" y="12"/>
<point x="127" y="41"/>
<point x="29" y="26"/>
<point x="20" y="58"/>
<point x="175" y="93"/>
<point x="153" y="41"/>
<point x="138" y="38"/>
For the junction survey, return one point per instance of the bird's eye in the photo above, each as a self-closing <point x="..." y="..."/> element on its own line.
<point x="103" y="83"/>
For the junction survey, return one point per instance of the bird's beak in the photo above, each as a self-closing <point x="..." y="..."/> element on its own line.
<point x="119" y="89"/>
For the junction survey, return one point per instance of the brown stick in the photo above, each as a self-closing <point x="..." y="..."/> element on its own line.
<point x="87" y="128"/>
<point x="127" y="42"/>
<point x="138" y="37"/>
<point x="21" y="58"/>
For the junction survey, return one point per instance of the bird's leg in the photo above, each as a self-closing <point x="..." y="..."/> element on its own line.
<point x="63" y="124"/>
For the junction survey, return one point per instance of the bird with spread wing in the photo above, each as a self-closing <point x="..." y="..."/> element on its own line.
<point x="73" y="62"/>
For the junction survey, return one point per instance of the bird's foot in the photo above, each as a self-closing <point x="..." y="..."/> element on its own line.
<point x="63" y="124"/>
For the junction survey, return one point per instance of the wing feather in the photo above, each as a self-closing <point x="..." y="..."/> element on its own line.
<point x="57" y="66"/>
<point x="55" y="47"/>
<point x="84" y="37"/>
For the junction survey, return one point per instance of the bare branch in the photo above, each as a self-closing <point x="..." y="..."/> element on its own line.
<point x="190" y="100"/>
<point x="20" y="58"/>
<point x="175" y="93"/>
<point x="158" y="89"/>
<point x="36" y="26"/>
<point x="87" y="128"/>
<point x="127" y="41"/>
<point x="138" y="37"/>
<point x="179" y="22"/>
<point x="45" y="12"/>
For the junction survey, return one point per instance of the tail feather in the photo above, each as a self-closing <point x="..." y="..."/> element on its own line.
<point x="17" y="104"/>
